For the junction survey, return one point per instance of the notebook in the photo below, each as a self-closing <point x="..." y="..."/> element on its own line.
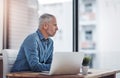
<point x="65" y="63"/>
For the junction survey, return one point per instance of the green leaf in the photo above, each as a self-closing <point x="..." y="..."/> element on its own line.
<point x="86" y="61"/>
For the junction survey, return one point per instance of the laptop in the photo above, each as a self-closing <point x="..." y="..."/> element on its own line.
<point x="65" y="63"/>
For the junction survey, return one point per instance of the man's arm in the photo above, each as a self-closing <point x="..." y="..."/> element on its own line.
<point x="31" y="51"/>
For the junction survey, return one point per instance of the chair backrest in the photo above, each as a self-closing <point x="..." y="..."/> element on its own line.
<point x="9" y="57"/>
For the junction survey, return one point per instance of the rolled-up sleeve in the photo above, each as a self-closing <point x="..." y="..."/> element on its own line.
<point x="31" y="52"/>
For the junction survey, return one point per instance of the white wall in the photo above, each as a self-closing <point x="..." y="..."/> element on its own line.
<point x="1" y="23"/>
<point x="109" y="33"/>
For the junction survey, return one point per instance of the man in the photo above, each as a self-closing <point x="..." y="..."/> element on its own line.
<point x="36" y="52"/>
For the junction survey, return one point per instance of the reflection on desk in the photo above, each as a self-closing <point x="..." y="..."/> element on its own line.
<point x="95" y="73"/>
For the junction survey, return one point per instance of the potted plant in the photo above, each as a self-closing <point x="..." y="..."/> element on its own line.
<point x="85" y="64"/>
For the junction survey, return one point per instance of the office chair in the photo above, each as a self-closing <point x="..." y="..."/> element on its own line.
<point x="9" y="57"/>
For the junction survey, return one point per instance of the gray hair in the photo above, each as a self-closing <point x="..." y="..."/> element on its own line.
<point x="45" y="18"/>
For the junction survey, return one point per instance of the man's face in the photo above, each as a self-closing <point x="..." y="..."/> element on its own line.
<point x="52" y="27"/>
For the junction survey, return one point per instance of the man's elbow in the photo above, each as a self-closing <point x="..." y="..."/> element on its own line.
<point x="35" y="68"/>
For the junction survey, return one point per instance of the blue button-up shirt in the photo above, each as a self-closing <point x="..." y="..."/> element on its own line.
<point x="35" y="54"/>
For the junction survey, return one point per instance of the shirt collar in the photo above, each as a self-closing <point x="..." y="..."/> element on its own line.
<point x="41" y="35"/>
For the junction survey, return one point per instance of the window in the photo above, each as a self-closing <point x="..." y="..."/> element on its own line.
<point x="87" y="25"/>
<point x="23" y="16"/>
<point x="63" y="11"/>
<point x="22" y="20"/>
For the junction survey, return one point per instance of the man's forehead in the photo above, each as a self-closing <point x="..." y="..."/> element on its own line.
<point x="53" y="20"/>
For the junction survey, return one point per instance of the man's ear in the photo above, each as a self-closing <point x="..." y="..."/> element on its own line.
<point x="45" y="26"/>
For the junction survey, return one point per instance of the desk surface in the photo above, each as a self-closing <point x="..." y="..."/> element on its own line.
<point x="94" y="74"/>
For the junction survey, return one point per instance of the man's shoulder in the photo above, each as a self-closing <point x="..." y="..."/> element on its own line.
<point x="30" y="40"/>
<point x="32" y="36"/>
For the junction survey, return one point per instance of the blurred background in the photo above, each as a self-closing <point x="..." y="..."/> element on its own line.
<point x="90" y="26"/>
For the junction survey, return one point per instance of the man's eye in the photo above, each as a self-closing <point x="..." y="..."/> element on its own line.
<point x="55" y="24"/>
